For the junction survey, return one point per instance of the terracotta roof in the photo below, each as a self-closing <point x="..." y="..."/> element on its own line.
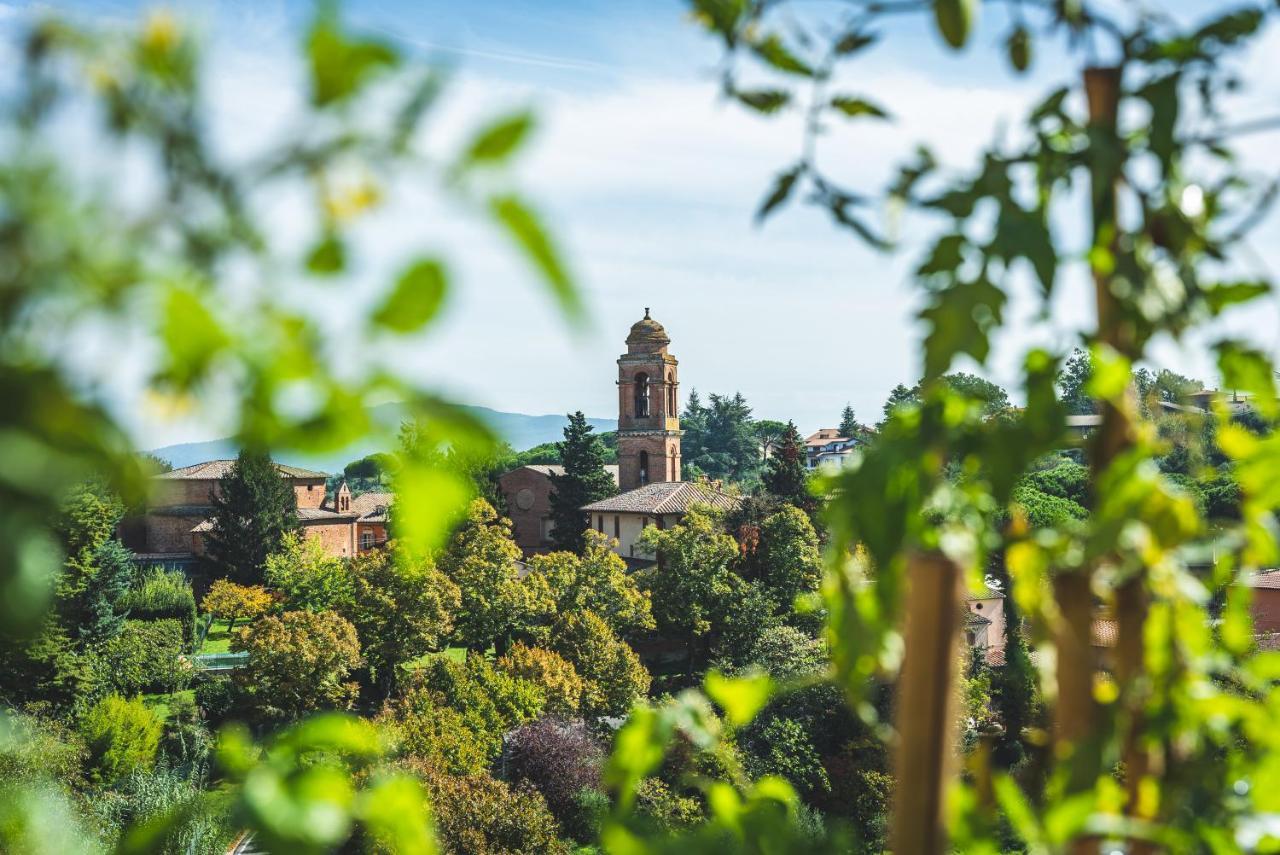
<point x="664" y="497"/>
<point x="1267" y="579"/>
<point x="549" y="469"/>
<point x="212" y="469"/>
<point x="372" y="507"/>
<point x="975" y="619"/>
<point x="305" y="515"/>
<point x="824" y="436"/>
<point x="987" y="593"/>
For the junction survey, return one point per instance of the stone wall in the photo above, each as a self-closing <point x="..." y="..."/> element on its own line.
<point x="532" y="489"/>
<point x="338" y="537"/>
<point x="173" y="534"/>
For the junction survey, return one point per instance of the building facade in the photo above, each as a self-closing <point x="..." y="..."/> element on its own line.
<point x="528" y="492"/>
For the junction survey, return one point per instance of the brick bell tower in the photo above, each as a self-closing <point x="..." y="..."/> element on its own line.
<point x="648" y="408"/>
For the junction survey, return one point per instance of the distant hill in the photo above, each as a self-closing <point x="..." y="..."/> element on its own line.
<point x="520" y="430"/>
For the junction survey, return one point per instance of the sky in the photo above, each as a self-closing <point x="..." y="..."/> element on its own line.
<point x="650" y="180"/>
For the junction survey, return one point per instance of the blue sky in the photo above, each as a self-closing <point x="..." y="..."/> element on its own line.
<point x="650" y="181"/>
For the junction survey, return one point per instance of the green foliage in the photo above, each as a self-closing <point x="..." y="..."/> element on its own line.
<point x="481" y="560"/>
<point x="785" y="473"/>
<point x="787" y="563"/>
<point x="163" y="594"/>
<point x="106" y="594"/>
<point x="254" y="508"/>
<point x="491" y="701"/>
<point x="401" y="608"/>
<point x="121" y="736"/>
<point x="554" y="675"/>
<point x="225" y="600"/>
<point x="297" y="663"/>
<point x="719" y="439"/>
<point x="597" y="581"/>
<point x="431" y="733"/>
<point x="307" y="576"/>
<point x="478" y="814"/>
<point x="613" y="678"/>
<point x="146" y="656"/>
<point x="584" y="481"/>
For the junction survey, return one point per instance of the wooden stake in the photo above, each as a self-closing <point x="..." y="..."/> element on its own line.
<point x="926" y="704"/>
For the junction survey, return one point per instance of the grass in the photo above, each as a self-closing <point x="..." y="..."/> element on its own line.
<point x="218" y="640"/>
<point x="160" y="701"/>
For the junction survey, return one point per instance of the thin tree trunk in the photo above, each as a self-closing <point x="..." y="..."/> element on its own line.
<point x="926" y="703"/>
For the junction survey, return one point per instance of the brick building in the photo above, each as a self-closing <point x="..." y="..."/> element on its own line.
<point x="648" y="408"/>
<point x="528" y="490"/>
<point x="663" y="504"/>
<point x="181" y="504"/>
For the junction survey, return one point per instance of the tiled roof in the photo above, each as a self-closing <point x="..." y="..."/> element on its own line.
<point x="987" y="593"/>
<point x="304" y="515"/>
<point x="372" y="507"/>
<point x="1268" y="579"/>
<point x="212" y="469"/>
<point x="557" y="469"/>
<point x="664" y="497"/>
<point x="824" y="436"/>
<point x="975" y="619"/>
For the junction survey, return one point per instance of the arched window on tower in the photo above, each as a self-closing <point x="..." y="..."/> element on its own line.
<point x="671" y="395"/>
<point x="644" y="467"/>
<point x="642" y="395"/>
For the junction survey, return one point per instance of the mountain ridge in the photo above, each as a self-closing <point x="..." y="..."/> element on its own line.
<point x="520" y="430"/>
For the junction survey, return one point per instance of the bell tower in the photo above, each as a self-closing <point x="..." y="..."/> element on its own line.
<point x="648" y="408"/>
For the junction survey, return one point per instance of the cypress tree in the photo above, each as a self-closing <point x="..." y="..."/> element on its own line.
<point x="849" y="426"/>
<point x="785" y="475"/>
<point x="253" y="510"/>
<point x="584" y="481"/>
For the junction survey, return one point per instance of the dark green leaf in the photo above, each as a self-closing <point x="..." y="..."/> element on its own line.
<point x="415" y="299"/>
<point x="498" y="140"/>
<point x="1162" y="95"/>
<point x="853" y="107"/>
<point x="946" y="257"/>
<point x="854" y="41"/>
<point x="782" y="188"/>
<point x="524" y="228"/>
<point x="955" y="20"/>
<point x="1019" y="47"/>
<point x="1227" y="294"/>
<point x="773" y="51"/>
<point x="763" y="100"/>
<point x="721" y="16"/>
<point x="1025" y="234"/>
<point x="960" y="318"/>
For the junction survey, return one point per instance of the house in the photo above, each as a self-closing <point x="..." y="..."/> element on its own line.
<point x="984" y="622"/>
<point x="623" y="517"/>
<point x="827" y="448"/>
<point x="528" y="491"/>
<point x="180" y="506"/>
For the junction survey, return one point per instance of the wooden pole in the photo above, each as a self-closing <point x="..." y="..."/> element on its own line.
<point x="926" y="704"/>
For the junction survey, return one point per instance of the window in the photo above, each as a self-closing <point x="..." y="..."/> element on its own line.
<point x="671" y="395"/>
<point x="600" y="523"/>
<point x="642" y="395"/>
<point x="366" y="540"/>
<point x="644" y="467"/>
<point x="617" y="526"/>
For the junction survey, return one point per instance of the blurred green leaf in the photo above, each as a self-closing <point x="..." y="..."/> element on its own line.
<point x="415" y="299"/>
<point x="782" y="187"/>
<point x="394" y="810"/>
<point x="327" y="257"/>
<point x="525" y="229"/>
<point x="775" y="52"/>
<point x="763" y="100"/>
<point x="955" y="20"/>
<point x="496" y="142"/>
<point x="192" y="336"/>
<point x="341" y="67"/>
<point x="1227" y="294"/>
<point x="1019" y="47"/>
<point x="741" y="698"/>
<point x="960" y="318"/>
<point x="854" y="107"/>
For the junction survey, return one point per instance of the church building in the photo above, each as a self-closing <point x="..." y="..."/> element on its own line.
<point x="648" y="470"/>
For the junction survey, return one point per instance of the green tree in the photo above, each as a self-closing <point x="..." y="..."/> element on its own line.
<point x="584" y="481"/>
<point x="785" y="474"/>
<point x="787" y="559"/>
<point x="720" y="439"/>
<point x="596" y="581"/>
<point x="228" y="601"/>
<point x="307" y="576"/>
<point x="849" y="425"/>
<point x="693" y="583"/>
<point x="298" y="662"/>
<point x="612" y="675"/>
<point x="402" y="607"/>
<point x="484" y="562"/>
<point x="254" y="509"/>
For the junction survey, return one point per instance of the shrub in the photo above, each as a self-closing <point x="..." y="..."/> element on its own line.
<point x="203" y="824"/>
<point x="163" y="593"/>
<point x="437" y="736"/>
<point x="560" y="760"/>
<point x="37" y="748"/>
<point x="309" y="578"/>
<point x="783" y="747"/>
<point x="785" y="652"/>
<point x="145" y="657"/>
<point x="478" y="815"/>
<point x="122" y="736"/>
<point x="491" y="702"/>
<point x="663" y="810"/>
<point x="612" y="674"/>
<point x="231" y="602"/>
<point x="216" y="698"/>
<point x="551" y="672"/>
<point x="298" y="662"/>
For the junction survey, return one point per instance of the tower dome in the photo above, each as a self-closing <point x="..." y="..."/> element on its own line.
<point x="647" y="336"/>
